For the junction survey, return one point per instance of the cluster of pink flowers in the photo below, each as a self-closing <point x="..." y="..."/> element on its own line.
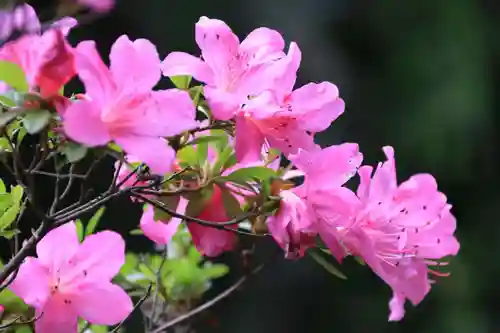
<point x="398" y="230"/>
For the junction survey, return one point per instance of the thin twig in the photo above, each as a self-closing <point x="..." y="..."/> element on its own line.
<point x="136" y="306"/>
<point x="206" y="305"/>
<point x="157" y="290"/>
<point x="61" y="176"/>
<point x="70" y="182"/>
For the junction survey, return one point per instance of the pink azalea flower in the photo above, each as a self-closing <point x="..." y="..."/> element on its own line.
<point x="284" y="118"/>
<point x="47" y="59"/>
<point x="399" y="230"/>
<point x="231" y="70"/>
<point x="161" y="232"/>
<point x="22" y="18"/>
<point x="68" y="280"/>
<point x="311" y="207"/>
<point x="123" y="107"/>
<point x="100" y="6"/>
<point x="292" y="226"/>
<point x="210" y="241"/>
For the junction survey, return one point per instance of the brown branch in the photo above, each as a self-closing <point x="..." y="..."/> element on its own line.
<point x="206" y="305"/>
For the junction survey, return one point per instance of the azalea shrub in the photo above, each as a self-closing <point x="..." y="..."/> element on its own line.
<point x="227" y="155"/>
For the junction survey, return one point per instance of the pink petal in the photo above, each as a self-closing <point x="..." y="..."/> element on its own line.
<point x="153" y="151"/>
<point x="211" y="242"/>
<point x="101" y="256"/>
<point x="82" y="123"/>
<point x="32" y="282"/>
<point x="135" y="65"/>
<point x="58" y="246"/>
<point x="93" y="72"/>
<point x="223" y="105"/>
<point x="317" y="105"/>
<point x="249" y="140"/>
<point x="217" y="42"/>
<point x="365" y="174"/>
<point x="286" y="70"/>
<point x="263" y="44"/>
<point x="166" y="113"/>
<point x="397" y="307"/>
<point x="56" y="316"/>
<point x="26" y="19"/>
<point x="56" y="65"/>
<point x="180" y="63"/>
<point x="160" y="232"/>
<point x="65" y="24"/>
<point x="102" y="303"/>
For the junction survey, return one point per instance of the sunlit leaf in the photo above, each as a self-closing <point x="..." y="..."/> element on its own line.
<point x="16" y="193"/>
<point x="194" y="255"/>
<point x="13" y="76"/>
<point x="214" y="271"/>
<point x="195" y="93"/>
<point x="23" y="329"/>
<point x="326" y="265"/>
<point x="187" y="156"/>
<point x="206" y="139"/>
<point x="94" y="220"/>
<point x="35" y="121"/>
<point x="99" y="329"/>
<point x="9" y="216"/>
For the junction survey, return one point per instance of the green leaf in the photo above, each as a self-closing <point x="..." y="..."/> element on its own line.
<point x="221" y="160"/>
<point x="136" y="232"/>
<point x="187" y="156"/>
<point x="202" y="150"/>
<point x="9" y="233"/>
<point x="94" y="220"/>
<point x="79" y="229"/>
<point x="250" y="173"/>
<point x="2" y="186"/>
<point x="170" y="202"/>
<point x="131" y="263"/>
<point x="198" y="200"/>
<point x="74" y="152"/>
<point x="195" y="93"/>
<point x="13" y="75"/>
<point x="115" y="147"/>
<point x="181" y="81"/>
<point x="214" y="271"/>
<point x="147" y="272"/>
<point x="23" y="329"/>
<point x="194" y="255"/>
<point x="99" y="329"/>
<point x="7" y="101"/>
<point x="35" y="121"/>
<point x="206" y="139"/>
<point x="9" y="216"/>
<point x="360" y="260"/>
<point x="7" y="116"/>
<point x="12" y="302"/>
<point x="231" y="204"/>
<point x="16" y="193"/>
<point x="326" y="265"/>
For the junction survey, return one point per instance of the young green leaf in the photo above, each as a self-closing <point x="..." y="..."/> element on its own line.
<point x="326" y="265"/>
<point x="181" y="81"/>
<point x="94" y="220"/>
<point x="206" y="139"/>
<point x="16" y="193"/>
<point x="195" y="93"/>
<point x="13" y="76"/>
<point x="187" y="156"/>
<point x="35" y="121"/>
<point x="79" y="229"/>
